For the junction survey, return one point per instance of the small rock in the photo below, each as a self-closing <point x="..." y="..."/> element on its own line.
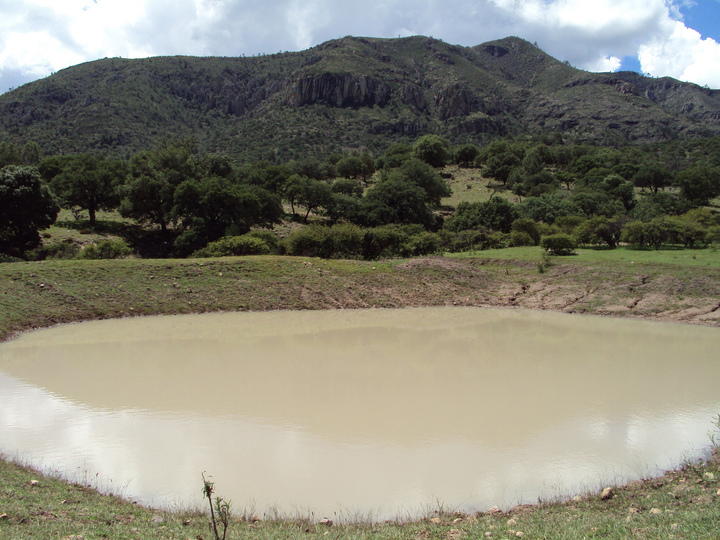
<point x="655" y="511"/>
<point x="577" y="498"/>
<point x="633" y="510"/>
<point x="488" y="534"/>
<point x="511" y="523"/>
<point x="718" y="492"/>
<point x="607" y="493"/>
<point x="519" y="534"/>
<point x="34" y="483"/>
<point x="157" y="519"/>
<point x="435" y="520"/>
<point x="457" y="520"/>
<point x="494" y="510"/>
<point x="709" y="476"/>
<point x="3" y="516"/>
<point x="326" y="521"/>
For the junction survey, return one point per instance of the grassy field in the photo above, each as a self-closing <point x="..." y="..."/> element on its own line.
<point x="665" y="285"/>
<point x="676" y="257"/>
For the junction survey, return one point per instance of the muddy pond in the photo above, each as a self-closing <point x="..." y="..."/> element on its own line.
<point x="369" y="413"/>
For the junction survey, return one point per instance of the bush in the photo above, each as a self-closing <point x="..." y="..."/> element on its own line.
<point x="60" y="250"/>
<point x="520" y="238"/>
<point x="105" y="249"/>
<point x="338" y="241"/>
<point x="388" y="240"/>
<point x="234" y="246"/>
<point x="270" y="238"/>
<point x="559" y="244"/>
<point x="474" y="239"/>
<point x="423" y="243"/>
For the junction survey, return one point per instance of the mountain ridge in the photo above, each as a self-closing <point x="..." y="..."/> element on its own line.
<point x="348" y="93"/>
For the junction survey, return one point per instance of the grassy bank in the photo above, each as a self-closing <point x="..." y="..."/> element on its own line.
<point x="682" y="504"/>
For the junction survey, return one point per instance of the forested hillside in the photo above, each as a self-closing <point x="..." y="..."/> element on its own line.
<point x="348" y="94"/>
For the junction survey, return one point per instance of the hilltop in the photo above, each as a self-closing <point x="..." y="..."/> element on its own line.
<point x="345" y="94"/>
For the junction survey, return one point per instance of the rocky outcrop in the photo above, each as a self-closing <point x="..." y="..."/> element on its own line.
<point x="458" y="100"/>
<point x="413" y="96"/>
<point x="340" y="90"/>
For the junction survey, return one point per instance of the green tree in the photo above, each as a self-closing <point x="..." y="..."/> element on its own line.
<point x="497" y="214"/>
<point x="30" y="153"/>
<point x="432" y="149"/>
<point x="424" y="176"/>
<point x="27" y="207"/>
<point x="699" y="184"/>
<point x="600" y="229"/>
<point x="653" y="177"/>
<point x="350" y="167"/>
<point x="312" y="194"/>
<point x="465" y="155"/>
<point x="395" y="200"/>
<point x="91" y="183"/>
<point x="154" y="177"/>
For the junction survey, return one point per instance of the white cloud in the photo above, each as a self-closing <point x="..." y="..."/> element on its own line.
<point x="40" y="36"/>
<point x="683" y="54"/>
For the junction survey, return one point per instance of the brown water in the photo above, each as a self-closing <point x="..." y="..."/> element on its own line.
<point x="371" y="412"/>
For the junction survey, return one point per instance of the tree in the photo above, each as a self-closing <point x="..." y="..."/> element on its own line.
<point x="91" y="183"/>
<point x="9" y="154"/>
<point x="312" y="194"/>
<point x="653" y="177"/>
<point x="350" y="167"/>
<point x="422" y="175"/>
<point x="211" y="206"/>
<point x="496" y="214"/>
<point x="699" y="184"/>
<point x="432" y="149"/>
<point x="27" y="207"/>
<point x="154" y="176"/>
<point x="599" y="229"/>
<point x="466" y="154"/>
<point x="395" y="200"/>
<point x="500" y="166"/>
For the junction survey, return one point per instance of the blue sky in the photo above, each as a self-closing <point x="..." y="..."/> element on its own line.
<point x="676" y="38"/>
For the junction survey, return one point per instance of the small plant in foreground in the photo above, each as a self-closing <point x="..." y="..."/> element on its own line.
<point x="219" y="509"/>
<point x="544" y="263"/>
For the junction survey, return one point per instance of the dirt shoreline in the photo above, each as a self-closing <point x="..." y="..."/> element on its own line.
<point x="49" y="294"/>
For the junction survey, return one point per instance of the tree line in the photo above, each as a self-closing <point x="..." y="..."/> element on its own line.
<point x="354" y="205"/>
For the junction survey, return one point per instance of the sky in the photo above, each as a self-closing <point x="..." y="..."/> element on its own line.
<point x="676" y="38"/>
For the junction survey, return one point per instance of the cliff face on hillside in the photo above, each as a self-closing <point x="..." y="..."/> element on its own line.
<point x="349" y="93"/>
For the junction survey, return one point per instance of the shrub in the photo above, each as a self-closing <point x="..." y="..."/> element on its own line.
<point x="60" y="250"/>
<point x="270" y="238"/>
<point x="343" y="240"/>
<point x="388" y="240"/>
<point x="520" y="238"/>
<point x="234" y="245"/>
<point x="559" y="244"/>
<point x="423" y="243"/>
<point x="105" y="249"/>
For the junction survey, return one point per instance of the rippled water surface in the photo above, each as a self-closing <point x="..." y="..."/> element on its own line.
<point x="380" y="412"/>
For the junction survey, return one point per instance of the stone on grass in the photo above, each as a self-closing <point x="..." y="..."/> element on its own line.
<point x="607" y="493"/>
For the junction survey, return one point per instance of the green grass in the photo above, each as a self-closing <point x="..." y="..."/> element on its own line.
<point x="621" y="255"/>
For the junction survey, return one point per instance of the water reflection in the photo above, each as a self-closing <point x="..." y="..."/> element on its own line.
<point x="382" y="411"/>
